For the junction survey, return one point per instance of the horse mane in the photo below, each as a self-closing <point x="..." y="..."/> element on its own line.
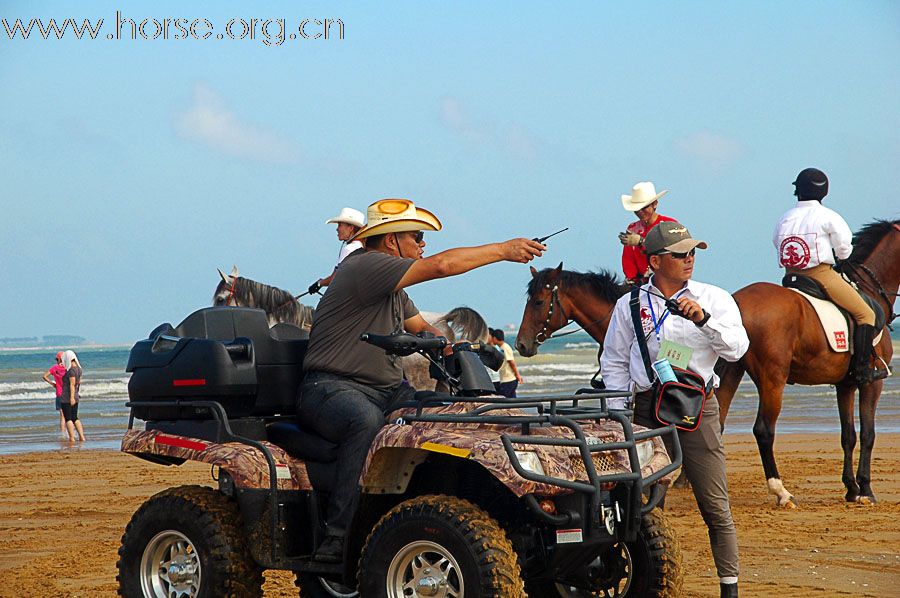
<point x="463" y="323"/>
<point x="868" y="237"/>
<point x="279" y="305"/>
<point x="603" y="284"/>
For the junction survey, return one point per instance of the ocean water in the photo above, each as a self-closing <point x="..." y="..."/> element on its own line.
<point x="29" y="422"/>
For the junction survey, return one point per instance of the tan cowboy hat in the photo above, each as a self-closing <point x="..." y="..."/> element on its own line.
<point x="348" y="216"/>
<point x="642" y="195"/>
<point x="396" y="216"/>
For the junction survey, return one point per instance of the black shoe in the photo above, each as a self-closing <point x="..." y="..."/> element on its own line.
<point x="728" y="590"/>
<point x="331" y="550"/>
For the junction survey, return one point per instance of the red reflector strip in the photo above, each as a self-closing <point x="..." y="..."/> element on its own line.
<point x="190" y="382"/>
<point x="180" y="442"/>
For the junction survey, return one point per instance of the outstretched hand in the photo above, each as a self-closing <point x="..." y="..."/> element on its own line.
<point x="522" y="250"/>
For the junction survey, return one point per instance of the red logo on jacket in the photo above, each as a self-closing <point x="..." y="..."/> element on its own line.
<point x="840" y="339"/>
<point x="794" y="253"/>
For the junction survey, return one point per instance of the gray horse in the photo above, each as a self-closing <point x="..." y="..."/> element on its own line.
<point x="458" y="324"/>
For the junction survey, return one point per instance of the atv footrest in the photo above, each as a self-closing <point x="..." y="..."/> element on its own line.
<point x="311" y="566"/>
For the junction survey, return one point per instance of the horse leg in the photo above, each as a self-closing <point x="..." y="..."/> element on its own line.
<point x="868" y="401"/>
<point x="845" y="395"/>
<point x="730" y="375"/>
<point x="770" y="396"/>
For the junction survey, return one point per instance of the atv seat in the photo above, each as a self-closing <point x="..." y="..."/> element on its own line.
<point x="811" y="287"/>
<point x="299" y="443"/>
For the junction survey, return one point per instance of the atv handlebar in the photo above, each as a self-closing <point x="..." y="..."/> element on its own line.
<point x="403" y="343"/>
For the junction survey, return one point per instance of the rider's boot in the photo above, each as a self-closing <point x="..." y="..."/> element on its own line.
<point x="728" y="590"/>
<point x="331" y="550"/>
<point x="863" y="352"/>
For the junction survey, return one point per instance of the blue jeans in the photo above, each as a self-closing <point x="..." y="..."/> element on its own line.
<point x="349" y="414"/>
<point x="507" y="389"/>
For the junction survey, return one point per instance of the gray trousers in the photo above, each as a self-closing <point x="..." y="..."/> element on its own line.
<point x="704" y="464"/>
<point x="350" y="415"/>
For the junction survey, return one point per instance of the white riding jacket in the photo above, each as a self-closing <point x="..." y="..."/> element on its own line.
<point x="810" y="234"/>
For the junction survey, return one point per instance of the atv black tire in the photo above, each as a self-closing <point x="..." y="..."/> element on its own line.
<point x="653" y="565"/>
<point x="431" y="543"/>
<point x="187" y="542"/>
<point x="313" y="586"/>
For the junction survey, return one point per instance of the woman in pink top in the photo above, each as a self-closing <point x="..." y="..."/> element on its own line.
<point x="57" y="372"/>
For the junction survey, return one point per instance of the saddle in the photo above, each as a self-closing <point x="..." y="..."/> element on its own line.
<point x="836" y="321"/>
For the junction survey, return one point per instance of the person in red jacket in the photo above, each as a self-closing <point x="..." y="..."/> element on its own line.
<point x="643" y="201"/>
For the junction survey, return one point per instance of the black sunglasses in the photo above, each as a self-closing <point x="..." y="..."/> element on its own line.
<point x="418" y="236"/>
<point x="683" y="255"/>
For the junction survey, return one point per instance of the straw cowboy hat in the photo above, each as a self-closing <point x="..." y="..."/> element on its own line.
<point x="348" y="216"/>
<point x="642" y="195"/>
<point x="397" y="216"/>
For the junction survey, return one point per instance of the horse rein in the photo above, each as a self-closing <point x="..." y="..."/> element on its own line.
<point x="878" y="287"/>
<point x="554" y="300"/>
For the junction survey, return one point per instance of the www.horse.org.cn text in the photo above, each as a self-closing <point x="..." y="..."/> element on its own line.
<point x="270" y="32"/>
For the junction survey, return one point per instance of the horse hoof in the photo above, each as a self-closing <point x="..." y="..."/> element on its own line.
<point x="787" y="504"/>
<point x="866" y="500"/>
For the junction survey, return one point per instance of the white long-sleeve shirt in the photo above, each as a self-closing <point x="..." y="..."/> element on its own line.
<point x="723" y="336"/>
<point x="806" y="235"/>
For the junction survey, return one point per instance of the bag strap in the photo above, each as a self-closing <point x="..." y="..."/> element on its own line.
<point x="635" y="304"/>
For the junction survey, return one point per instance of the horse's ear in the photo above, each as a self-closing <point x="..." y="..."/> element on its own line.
<point x="897" y="226"/>
<point x="222" y="274"/>
<point x="559" y="268"/>
<point x="533" y="272"/>
<point x="234" y="272"/>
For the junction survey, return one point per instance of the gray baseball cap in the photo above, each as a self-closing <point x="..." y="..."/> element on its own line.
<point x="670" y="237"/>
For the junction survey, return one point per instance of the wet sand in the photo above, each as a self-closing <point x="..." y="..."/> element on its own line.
<point x="62" y="515"/>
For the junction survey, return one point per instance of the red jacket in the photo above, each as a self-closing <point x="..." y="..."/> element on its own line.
<point x="634" y="260"/>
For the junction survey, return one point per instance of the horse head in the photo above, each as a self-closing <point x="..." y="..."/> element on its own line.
<point x="224" y="293"/>
<point x="540" y="319"/>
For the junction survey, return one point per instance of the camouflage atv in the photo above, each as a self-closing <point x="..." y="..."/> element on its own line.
<point x="463" y="494"/>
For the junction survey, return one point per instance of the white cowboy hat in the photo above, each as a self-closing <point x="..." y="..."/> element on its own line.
<point x="642" y="195"/>
<point x="348" y="216"/>
<point x="396" y="216"/>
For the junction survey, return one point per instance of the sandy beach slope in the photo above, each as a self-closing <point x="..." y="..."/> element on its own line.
<point x="62" y="515"/>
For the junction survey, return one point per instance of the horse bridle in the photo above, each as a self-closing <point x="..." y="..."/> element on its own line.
<point x="554" y="300"/>
<point x="230" y="296"/>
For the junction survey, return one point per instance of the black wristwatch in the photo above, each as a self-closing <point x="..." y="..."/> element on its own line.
<point x="703" y="322"/>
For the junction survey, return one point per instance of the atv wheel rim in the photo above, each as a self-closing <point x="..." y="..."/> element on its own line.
<point x="170" y="567"/>
<point x="424" y="569"/>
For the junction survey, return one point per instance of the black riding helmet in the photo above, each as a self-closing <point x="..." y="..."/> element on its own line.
<point x="811" y="183"/>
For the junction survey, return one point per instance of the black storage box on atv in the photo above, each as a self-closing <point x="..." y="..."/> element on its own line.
<point x="226" y="354"/>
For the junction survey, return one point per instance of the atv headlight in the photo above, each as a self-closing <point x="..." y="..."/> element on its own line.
<point x="644" y="452"/>
<point x="530" y="462"/>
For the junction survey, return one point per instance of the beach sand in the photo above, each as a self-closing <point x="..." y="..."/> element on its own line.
<point x="62" y="515"/>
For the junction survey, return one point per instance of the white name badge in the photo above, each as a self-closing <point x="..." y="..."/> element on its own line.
<point x="678" y="355"/>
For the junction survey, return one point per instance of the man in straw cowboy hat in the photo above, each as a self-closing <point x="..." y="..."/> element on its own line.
<point x="643" y="201"/>
<point x="705" y="327"/>
<point x="350" y="385"/>
<point x="349" y="221"/>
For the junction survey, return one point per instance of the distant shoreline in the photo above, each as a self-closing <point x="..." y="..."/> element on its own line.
<point x="60" y="347"/>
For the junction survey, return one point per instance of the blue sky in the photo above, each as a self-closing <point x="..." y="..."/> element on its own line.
<point x="133" y="169"/>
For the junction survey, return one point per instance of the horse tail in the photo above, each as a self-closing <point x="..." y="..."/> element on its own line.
<point x="730" y="374"/>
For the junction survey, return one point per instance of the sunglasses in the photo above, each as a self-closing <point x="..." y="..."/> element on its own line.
<point x="682" y="255"/>
<point x="418" y="236"/>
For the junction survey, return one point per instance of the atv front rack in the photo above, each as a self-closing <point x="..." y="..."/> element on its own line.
<point x="567" y="411"/>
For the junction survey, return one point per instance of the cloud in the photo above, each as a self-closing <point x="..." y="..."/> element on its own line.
<point x="712" y="149"/>
<point x="211" y="122"/>
<point x="513" y="139"/>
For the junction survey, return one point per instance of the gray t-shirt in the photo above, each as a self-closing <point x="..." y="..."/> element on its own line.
<point x="360" y="299"/>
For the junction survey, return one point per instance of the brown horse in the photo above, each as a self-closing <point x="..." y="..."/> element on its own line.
<point x="557" y="297"/>
<point x="788" y="346"/>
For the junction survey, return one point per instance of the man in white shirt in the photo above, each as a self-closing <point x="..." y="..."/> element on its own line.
<point x="509" y="377"/>
<point x="809" y="239"/>
<point x="349" y="221"/>
<point x="706" y="326"/>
